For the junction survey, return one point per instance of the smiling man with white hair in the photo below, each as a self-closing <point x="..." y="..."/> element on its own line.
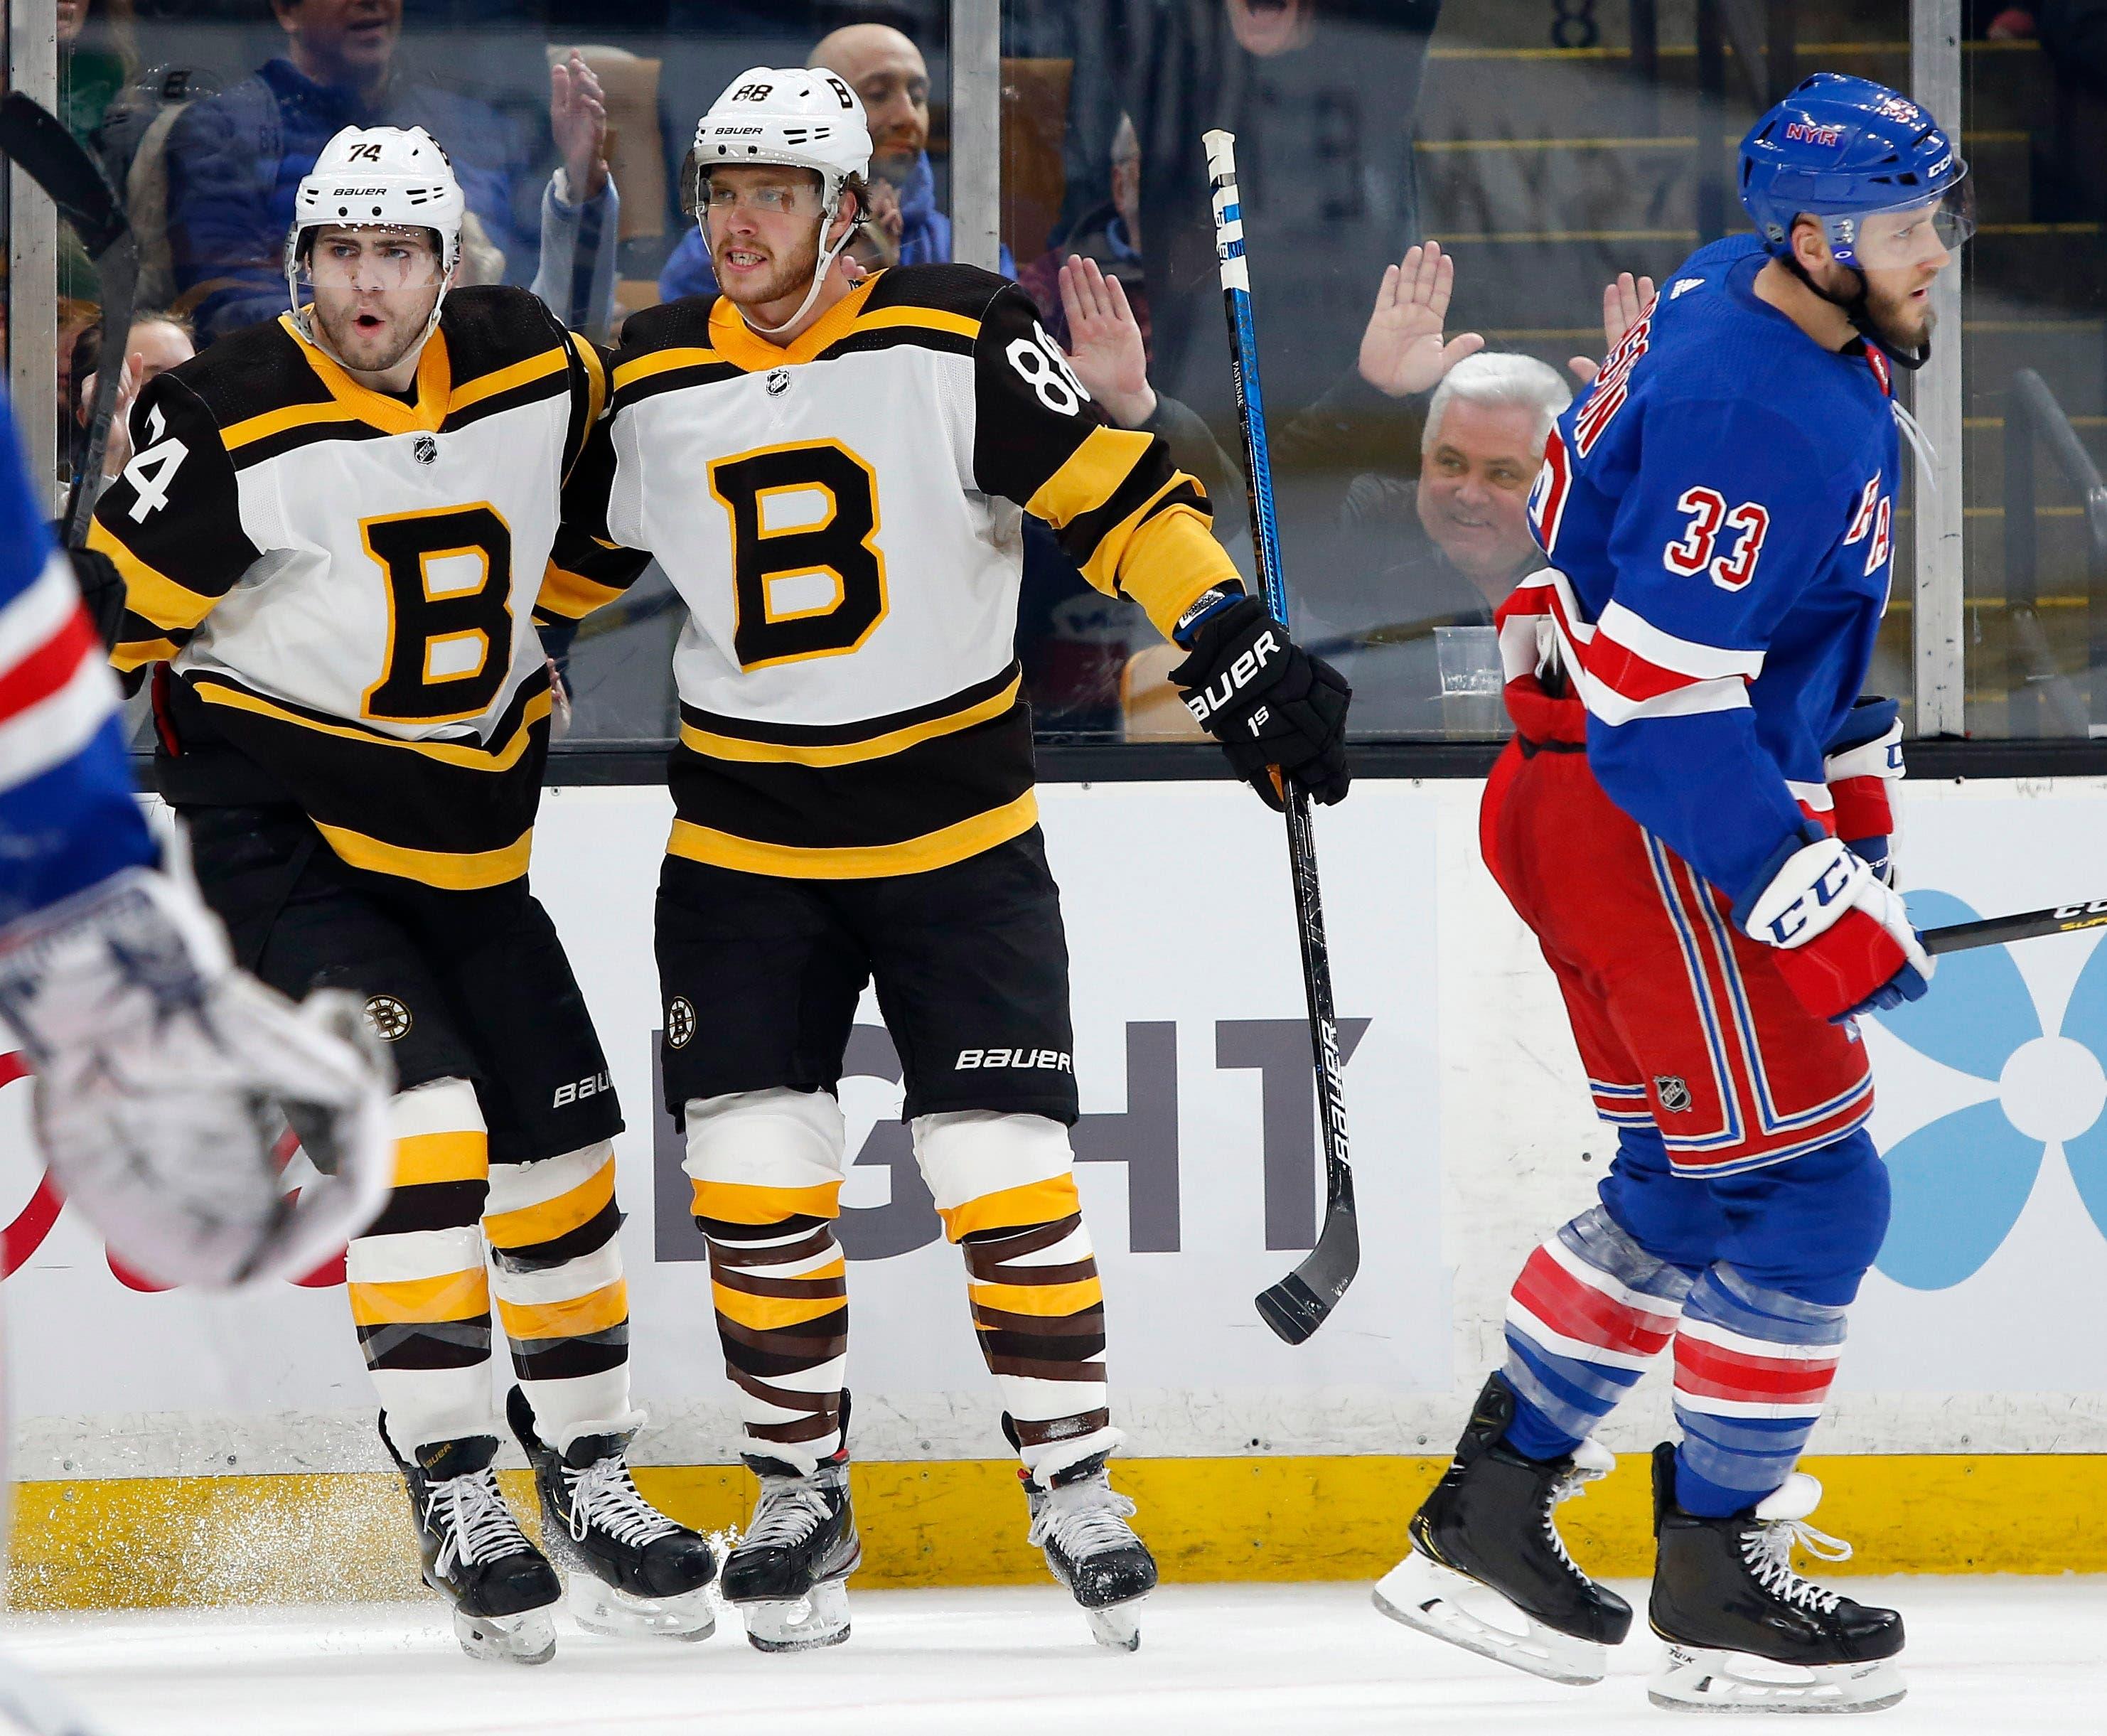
<point x="1482" y="448"/>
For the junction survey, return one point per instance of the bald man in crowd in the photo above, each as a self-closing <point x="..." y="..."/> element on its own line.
<point x="886" y="71"/>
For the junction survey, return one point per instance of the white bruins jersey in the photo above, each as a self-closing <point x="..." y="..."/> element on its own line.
<point x="341" y="581"/>
<point x="843" y="517"/>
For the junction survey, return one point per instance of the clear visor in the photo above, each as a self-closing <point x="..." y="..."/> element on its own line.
<point x="348" y="261"/>
<point x="1906" y="236"/>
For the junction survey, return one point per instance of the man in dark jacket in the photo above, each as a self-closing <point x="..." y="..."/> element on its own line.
<point x="234" y="160"/>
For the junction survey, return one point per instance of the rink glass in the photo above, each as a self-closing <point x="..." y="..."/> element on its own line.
<point x="1546" y="147"/>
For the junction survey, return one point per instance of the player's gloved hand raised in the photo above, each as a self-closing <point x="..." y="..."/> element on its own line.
<point x="1268" y="701"/>
<point x="1862" y="765"/>
<point x="164" y="1076"/>
<point x="1844" y="943"/>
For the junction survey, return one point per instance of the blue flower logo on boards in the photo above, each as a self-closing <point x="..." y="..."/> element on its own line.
<point x="1960" y="1181"/>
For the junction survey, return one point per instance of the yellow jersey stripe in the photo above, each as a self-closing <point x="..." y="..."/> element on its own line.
<point x="748" y="1202"/>
<point x="1164" y="563"/>
<point x="572" y="595"/>
<point x="447" y="753"/>
<point x="256" y="428"/>
<point x="847" y="753"/>
<point x="662" y="362"/>
<point x="1091" y="475"/>
<point x="421" y="1302"/>
<point x="937" y="849"/>
<point x="931" y="319"/>
<point x="471" y="870"/>
<point x="148" y="592"/>
<point x="422" y="1159"/>
<point x="596" y="1310"/>
<point x="519" y="374"/>
<point x="135" y="654"/>
<point x="1046" y="1202"/>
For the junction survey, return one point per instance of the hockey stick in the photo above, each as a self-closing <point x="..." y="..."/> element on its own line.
<point x="1996" y="931"/>
<point x="51" y="156"/>
<point x="1298" y="1305"/>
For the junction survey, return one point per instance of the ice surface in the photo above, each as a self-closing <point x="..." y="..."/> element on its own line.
<point x="1987" y="1657"/>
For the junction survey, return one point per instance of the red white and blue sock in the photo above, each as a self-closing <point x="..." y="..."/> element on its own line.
<point x="1753" y="1368"/>
<point x="1590" y="1311"/>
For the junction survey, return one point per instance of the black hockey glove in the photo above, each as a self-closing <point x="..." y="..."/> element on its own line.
<point x="102" y="590"/>
<point x="1268" y="701"/>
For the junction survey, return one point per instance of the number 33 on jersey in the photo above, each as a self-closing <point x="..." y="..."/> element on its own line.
<point x="339" y="581"/>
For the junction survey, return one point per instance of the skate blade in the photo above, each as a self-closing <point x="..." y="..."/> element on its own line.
<point x="604" y="1609"/>
<point x="1117" y="1628"/>
<point x="820" y="1618"/>
<point x="1695" y="1679"/>
<point x="528" y="1638"/>
<point x="1425" y="1596"/>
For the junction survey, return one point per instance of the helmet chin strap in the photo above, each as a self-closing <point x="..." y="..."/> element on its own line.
<point x="1856" y="309"/>
<point x="828" y="255"/>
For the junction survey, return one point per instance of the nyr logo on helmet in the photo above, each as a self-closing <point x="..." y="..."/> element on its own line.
<point x="1810" y="132"/>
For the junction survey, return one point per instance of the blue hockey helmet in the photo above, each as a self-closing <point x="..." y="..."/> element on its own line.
<point x="1843" y="150"/>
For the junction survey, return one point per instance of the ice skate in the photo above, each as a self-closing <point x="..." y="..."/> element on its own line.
<point x="474" y="1554"/>
<point x="1080" y="1521"/>
<point x="786" y="1572"/>
<point x="632" y="1571"/>
<point x="1488" y="1570"/>
<point x="1745" y="1632"/>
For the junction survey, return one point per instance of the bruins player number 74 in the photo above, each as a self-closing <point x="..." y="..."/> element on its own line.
<point x="834" y="476"/>
<point x="331" y="535"/>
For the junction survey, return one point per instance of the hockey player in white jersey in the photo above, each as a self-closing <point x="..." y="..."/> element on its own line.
<point x="834" y="475"/>
<point x="331" y="534"/>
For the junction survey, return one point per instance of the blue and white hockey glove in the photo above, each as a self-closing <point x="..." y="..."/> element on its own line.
<point x="1845" y="944"/>
<point x="1863" y="764"/>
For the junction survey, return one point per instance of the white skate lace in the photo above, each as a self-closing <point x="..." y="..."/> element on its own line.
<point x="602" y="1495"/>
<point x="1574" y="1482"/>
<point x="1083" y="1519"/>
<point x="471" y="1511"/>
<point x="1768" y="1550"/>
<point x="790" y="1510"/>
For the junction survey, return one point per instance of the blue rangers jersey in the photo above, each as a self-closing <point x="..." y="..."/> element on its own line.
<point x="68" y="817"/>
<point x="1718" y="512"/>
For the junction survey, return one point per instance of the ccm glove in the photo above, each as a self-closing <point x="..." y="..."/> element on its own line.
<point x="1844" y="943"/>
<point x="1268" y="701"/>
<point x="1863" y="764"/>
<point x="164" y="1076"/>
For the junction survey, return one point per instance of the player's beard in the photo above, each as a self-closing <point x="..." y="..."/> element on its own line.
<point x="1899" y="323"/>
<point x="371" y="351"/>
<point x="789" y="276"/>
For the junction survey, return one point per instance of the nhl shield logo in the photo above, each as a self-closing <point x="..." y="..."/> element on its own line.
<point x="1673" y="1092"/>
<point x="779" y="381"/>
<point x="426" y="451"/>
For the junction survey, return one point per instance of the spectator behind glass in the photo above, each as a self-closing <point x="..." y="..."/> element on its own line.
<point x="887" y="72"/>
<point x="158" y="341"/>
<point x="236" y="160"/>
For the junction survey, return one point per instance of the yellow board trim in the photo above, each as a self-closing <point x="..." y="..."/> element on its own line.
<point x="422" y="1159"/>
<point x="1045" y="1300"/>
<point x="596" y="1310"/>
<point x="714" y="746"/>
<point x="141" y="1543"/>
<point x="771" y="1313"/>
<point x="1014" y="1209"/>
<point x="421" y="1302"/>
<point x="745" y="1203"/>
<point x="447" y="752"/>
<point x="937" y="849"/>
<point x="149" y="591"/>
<point x="469" y="870"/>
<point x="525" y="1226"/>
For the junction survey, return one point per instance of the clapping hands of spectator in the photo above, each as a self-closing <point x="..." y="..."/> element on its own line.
<point x="578" y="117"/>
<point x="1623" y="302"/>
<point x="1402" y="351"/>
<point x="1104" y="342"/>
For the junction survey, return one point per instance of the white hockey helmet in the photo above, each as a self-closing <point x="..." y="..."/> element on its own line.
<point x="791" y="117"/>
<point x="381" y="177"/>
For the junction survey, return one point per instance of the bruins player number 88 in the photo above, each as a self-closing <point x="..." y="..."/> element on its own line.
<point x="330" y="535"/>
<point x="833" y="475"/>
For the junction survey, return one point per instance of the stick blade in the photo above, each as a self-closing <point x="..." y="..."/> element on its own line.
<point x="1304" y="1300"/>
<point x="37" y="140"/>
<point x="1292" y="1310"/>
